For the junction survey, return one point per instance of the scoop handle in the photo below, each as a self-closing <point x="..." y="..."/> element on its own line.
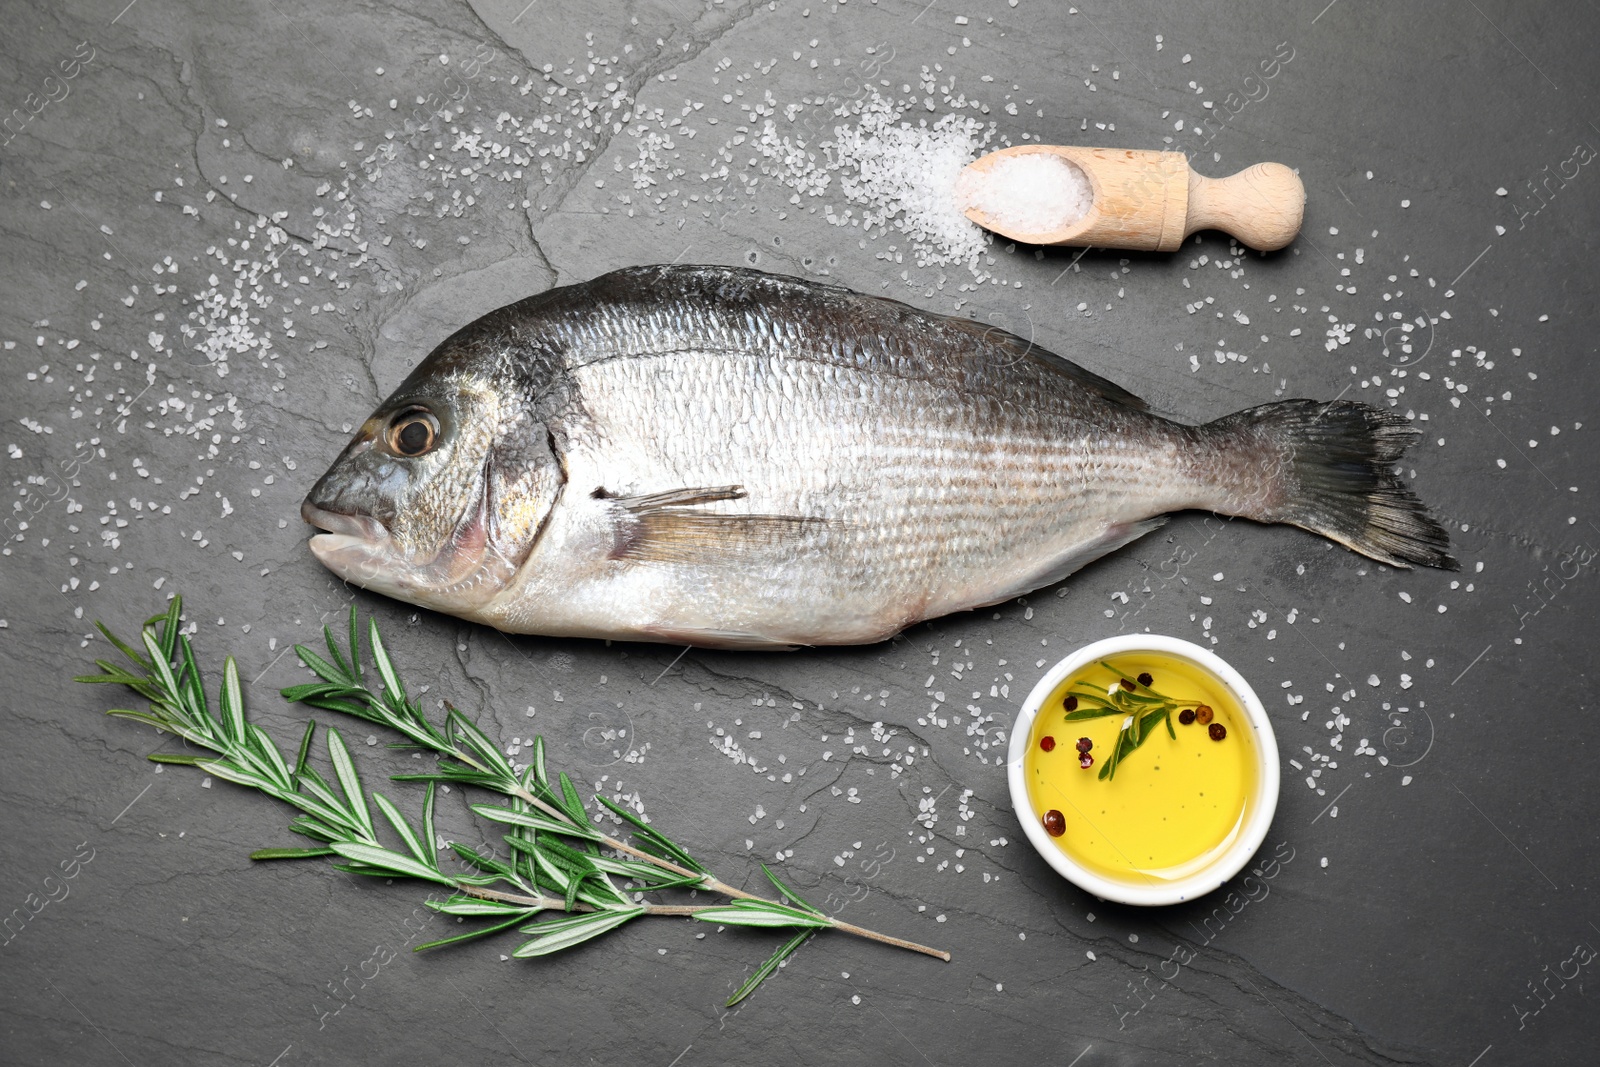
<point x="1262" y="205"/>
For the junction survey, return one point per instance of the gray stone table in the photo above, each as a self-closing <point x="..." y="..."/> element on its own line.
<point x="229" y="229"/>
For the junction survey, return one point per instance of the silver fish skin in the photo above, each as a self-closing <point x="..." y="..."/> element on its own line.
<point x="721" y="457"/>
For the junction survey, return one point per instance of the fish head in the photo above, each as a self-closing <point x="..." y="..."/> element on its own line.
<point x="440" y="495"/>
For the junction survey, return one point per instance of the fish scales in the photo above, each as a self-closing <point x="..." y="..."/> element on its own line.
<point x="723" y="457"/>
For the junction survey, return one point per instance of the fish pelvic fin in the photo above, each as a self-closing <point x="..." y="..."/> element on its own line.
<point x="1329" y="468"/>
<point x="668" y="527"/>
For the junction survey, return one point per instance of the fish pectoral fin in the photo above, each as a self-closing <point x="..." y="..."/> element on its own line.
<point x="1081" y="556"/>
<point x="683" y="535"/>
<point x="706" y="637"/>
<point x="674" y="497"/>
<point x="669" y="527"/>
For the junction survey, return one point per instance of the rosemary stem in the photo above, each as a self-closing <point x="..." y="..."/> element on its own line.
<point x="517" y="898"/>
<point x="677" y="909"/>
<point x="849" y="928"/>
<point x="690" y="910"/>
<point x="872" y="935"/>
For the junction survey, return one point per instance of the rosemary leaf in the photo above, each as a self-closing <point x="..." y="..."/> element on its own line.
<point x="124" y="648"/>
<point x="232" y="702"/>
<point x="484" y="931"/>
<point x="169" y="628"/>
<point x="1093" y="713"/>
<point x="233" y="774"/>
<point x="458" y="725"/>
<point x="558" y="934"/>
<point x="305" y="748"/>
<point x="485" y="863"/>
<point x="290" y="853"/>
<point x="175" y="757"/>
<point x="785" y="890"/>
<point x="161" y="669"/>
<point x="428" y="832"/>
<point x="760" y="913"/>
<point x="765" y="970"/>
<point x="387" y="860"/>
<point x="403" y="828"/>
<point x="380" y="659"/>
<point x="349" y="781"/>
<point x="536" y="821"/>
<point x="539" y="773"/>
<point x="478" y="907"/>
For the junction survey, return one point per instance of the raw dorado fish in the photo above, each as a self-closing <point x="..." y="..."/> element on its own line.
<point x="727" y="458"/>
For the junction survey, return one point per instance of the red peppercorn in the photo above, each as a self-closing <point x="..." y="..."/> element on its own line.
<point x="1203" y="714"/>
<point x="1186" y="716"/>
<point x="1084" y="744"/>
<point x="1085" y="761"/>
<point x="1217" y="731"/>
<point x="1047" y="743"/>
<point x="1145" y="679"/>
<point x="1071" y="703"/>
<point x="1055" y="824"/>
<point x="1127" y="685"/>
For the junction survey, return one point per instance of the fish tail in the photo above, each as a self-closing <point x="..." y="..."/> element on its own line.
<point x="1329" y="468"/>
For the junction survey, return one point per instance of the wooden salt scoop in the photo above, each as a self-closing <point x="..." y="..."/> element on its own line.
<point x="1151" y="201"/>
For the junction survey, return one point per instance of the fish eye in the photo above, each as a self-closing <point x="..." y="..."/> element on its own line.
<point x="413" y="433"/>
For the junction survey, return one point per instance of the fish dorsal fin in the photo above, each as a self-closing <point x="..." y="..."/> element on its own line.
<point x="668" y="527"/>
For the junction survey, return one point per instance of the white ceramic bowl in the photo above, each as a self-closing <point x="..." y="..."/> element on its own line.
<point x="1261" y="808"/>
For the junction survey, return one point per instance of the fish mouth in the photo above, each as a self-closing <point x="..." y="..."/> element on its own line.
<point x="352" y="546"/>
<point x="338" y="524"/>
<point x="361" y="550"/>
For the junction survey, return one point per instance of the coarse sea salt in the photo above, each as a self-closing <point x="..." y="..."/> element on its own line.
<point x="1038" y="192"/>
<point x="908" y="174"/>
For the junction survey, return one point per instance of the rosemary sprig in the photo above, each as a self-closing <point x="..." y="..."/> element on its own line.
<point x="1142" y="707"/>
<point x="556" y="860"/>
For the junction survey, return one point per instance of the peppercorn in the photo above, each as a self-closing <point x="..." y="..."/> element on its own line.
<point x="1047" y="743"/>
<point x="1145" y="679"/>
<point x="1084" y="744"/>
<point x="1217" y="731"/>
<point x="1086" y="761"/>
<point x="1186" y="716"/>
<point x="1203" y="714"/>
<point x="1127" y="685"/>
<point x="1055" y="824"/>
<point x="1071" y="703"/>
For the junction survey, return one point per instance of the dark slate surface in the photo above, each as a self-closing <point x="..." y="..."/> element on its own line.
<point x="1433" y="902"/>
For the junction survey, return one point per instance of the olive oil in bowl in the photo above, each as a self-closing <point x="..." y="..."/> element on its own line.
<point x="1147" y="770"/>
